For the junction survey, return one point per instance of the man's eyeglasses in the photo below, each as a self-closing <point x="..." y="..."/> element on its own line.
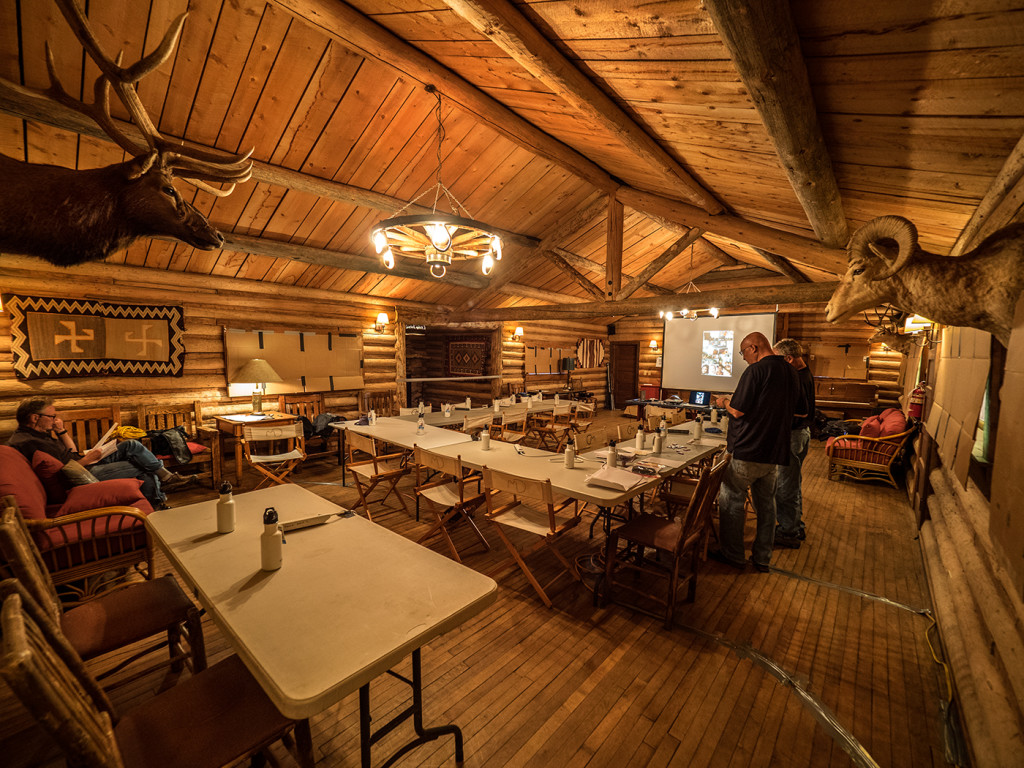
<point x="743" y="350"/>
<point x="47" y="415"/>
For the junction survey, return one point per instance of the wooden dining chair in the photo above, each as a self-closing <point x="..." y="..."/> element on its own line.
<point x="679" y="539"/>
<point x="274" y="450"/>
<point x="471" y="424"/>
<point x="379" y="469"/>
<point x="550" y="430"/>
<point x="582" y="417"/>
<point x="628" y="431"/>
<point x="450" y="494"/>
<point x="214" y="718"/>
<point x="512" y="425"/>
<point x="309" y="406"/>
<point x="548" y="520"/>
<point x="382" y="403"/>
<point x="203" y="442"/>
<point x="137" y="611"/>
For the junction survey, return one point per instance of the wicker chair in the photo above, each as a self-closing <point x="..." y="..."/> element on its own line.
<point x="867" y="458"/>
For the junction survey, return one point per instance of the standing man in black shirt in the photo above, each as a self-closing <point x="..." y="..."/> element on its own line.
<point x="761" y="411"/>
<point x="788" y="495"/>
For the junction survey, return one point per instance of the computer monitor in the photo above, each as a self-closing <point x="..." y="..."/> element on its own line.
<point x="700" y="398"/>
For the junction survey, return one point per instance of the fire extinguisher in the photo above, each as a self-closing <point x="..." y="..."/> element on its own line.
<point x="917" y="401"/>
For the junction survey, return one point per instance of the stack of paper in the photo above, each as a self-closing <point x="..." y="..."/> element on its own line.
<point x="614" y="478"/>
<point x="107" y="444"/>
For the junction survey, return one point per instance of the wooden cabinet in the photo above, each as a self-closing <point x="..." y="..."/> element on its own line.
<point x="845" y="398"/>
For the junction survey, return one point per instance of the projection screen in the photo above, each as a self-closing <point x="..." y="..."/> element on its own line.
<point x="704" y="354"/>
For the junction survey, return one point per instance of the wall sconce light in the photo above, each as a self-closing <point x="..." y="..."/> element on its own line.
<point x="382" y="321"/>
<point x="654" y="345"/>
<point x="915" y="323"/>
<point x="517" y="334"/>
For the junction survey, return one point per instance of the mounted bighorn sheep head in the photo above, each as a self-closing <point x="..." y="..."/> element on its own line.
<point x="887" y="266"/>
<point x="70" y="216"/>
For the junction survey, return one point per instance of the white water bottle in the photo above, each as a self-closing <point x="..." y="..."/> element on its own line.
<point x="714" y="415"/>
<point x="570" y="456"/>
<point x="639" y="439"/>
<point x="469" y="403"/>
<point x="659" y="443"/>
<point x="419" y="426"/>
<point x="225" y="509"/>
<point x="497" y="407"/>
<point x="271" y="541"/>
<point x="698" y="430"/>
<point x="373" y="418"/>
<point x="485" y="440"/>
<point x="662" y="425"/>
<point x="611" y="457"/>
<point x="421" y="408"/>
<point x="556" y="398"/>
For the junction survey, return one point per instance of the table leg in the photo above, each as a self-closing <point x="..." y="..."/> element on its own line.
<point x="423" y="735"/>
<point x="238" y="461"/>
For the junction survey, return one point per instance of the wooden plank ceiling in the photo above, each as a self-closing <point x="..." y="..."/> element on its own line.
<point x="777" y="132"/>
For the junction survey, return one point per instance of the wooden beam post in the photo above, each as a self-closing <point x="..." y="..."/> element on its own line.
<point x="613" y="261"/>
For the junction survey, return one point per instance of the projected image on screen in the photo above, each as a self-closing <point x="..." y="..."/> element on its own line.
<point x="703" y="355"/>
<point x="716" y="353"/>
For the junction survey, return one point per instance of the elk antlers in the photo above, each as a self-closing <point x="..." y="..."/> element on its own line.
<point x="198" y="165"/>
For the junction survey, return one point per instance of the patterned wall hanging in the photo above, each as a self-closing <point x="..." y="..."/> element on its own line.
<point x="63" y="338"/>
<point x="590" y="353"/>
<point x="466" y="355"/>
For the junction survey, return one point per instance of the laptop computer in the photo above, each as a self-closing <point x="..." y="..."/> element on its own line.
<point x="700" y="398"/>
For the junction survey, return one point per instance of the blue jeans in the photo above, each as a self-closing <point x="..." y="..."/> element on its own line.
<point x="788" y="496"/>
<point x="132" y="459"/>
<point x="760" y="479"/>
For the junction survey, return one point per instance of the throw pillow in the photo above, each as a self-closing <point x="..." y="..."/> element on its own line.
<point x="871" y="427"/>
<point x="125" y="491"/>
<point x="48" y="470"/>
<point x="76" y="474"/>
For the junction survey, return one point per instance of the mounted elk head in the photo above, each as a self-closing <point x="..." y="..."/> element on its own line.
<point x="70" y="216"/>
<point x="979" y="289"/>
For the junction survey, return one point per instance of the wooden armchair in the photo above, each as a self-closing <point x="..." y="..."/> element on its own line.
<point x="384" y="403"/>
<point x="217" y="717"/>
<point x="311" y="405"/>
<point x="87" y="425"/>
<point x="203" y="442"/>
<point x="867" y="458"/>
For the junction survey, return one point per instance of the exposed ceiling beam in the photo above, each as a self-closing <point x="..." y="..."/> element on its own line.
<point x="357" y="32"/>
<point x="764" y="45"/>
<point x="985" y="220"/>
<point x="613" y="249"/>
<point x="717" y="253"/>
<point x="658" y="264"/>
<point x="797" y="248"/>
<point x="524" y="262"/>
<point x="723" y="299"/>
<point x="574" y="274"/>
<point x="500" y="21"/>
<point x="782" y="266"/>
<point x="529" y="292"/>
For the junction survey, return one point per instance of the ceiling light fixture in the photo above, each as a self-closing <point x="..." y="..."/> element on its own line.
<point x="437" y="238"/>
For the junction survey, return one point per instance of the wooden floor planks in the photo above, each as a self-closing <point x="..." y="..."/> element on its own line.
<point x="583" y="686"/>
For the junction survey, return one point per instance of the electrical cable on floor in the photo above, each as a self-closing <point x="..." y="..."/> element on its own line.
<point x="955" y="748"/>
<point x="852" y="591"/>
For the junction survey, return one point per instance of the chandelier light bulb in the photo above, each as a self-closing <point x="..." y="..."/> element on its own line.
<point x="389" y="259"/>
<point x="380" y="241"/>
<point x="496" y="247"/>
<point x="440" y="236"/>
<point x="714" y="311"/>
<point x="487" y="265"/>
<point x="668" y="316"/>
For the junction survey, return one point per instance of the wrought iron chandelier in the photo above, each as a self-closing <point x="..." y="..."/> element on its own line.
<point x="437" y="238"/>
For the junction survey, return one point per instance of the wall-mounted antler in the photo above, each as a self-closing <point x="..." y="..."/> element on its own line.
<point x="68" y="217"/>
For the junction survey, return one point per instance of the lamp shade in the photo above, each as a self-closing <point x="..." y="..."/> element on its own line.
<point x="256" y="371"/>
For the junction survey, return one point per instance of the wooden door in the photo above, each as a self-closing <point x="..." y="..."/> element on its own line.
<point x="625" y="373"/>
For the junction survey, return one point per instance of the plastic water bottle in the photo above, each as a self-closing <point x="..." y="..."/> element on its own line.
<point x="419" y="426"/>
<point x="611" y="458"/>
<point x="659" y="443"/>
<point x="639" y="439"/>
<point x="497" y="407"/>
<point x="663" y="426"/>
<point x="485" y="440"/>
<point x="698" y="429"/>
<point x="421" y="408"/>
<point x="373" y="418"/>
<point x="714" y="415"/>
<point x="469" y="403"/>
<point x="570" y="456"/>
<point x="270" y="541"/>
<point x="225" y="509"/>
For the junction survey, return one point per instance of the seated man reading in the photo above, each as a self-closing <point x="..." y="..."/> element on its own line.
<point x="40" y="428"/>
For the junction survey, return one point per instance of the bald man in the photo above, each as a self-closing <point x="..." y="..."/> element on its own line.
<point x="761" y="409"/>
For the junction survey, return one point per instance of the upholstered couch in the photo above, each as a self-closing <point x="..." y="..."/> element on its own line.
<point x="874" y="452"/>
<point x="83" y="530"/>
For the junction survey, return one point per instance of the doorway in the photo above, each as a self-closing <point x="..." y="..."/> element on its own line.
<point x="625" y="372"/>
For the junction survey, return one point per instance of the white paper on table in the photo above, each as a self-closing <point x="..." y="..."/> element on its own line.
<point x="614" y="478"/>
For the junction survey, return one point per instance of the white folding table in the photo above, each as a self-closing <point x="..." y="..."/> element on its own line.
<point x="351" y="600"/>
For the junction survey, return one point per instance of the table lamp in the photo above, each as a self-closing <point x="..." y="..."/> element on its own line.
<point x="256" y="372"/>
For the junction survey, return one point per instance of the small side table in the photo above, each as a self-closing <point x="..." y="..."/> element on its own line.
<point x="228" y="425"/>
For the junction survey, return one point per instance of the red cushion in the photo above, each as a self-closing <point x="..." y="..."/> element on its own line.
<point x="195" y="448"/>
<point x="893" y="422"/>
<point x="871" y="427"/>
<point x="47" y="469"/>
<point x="17" y="479"/>
<point x="123" y="491"/>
